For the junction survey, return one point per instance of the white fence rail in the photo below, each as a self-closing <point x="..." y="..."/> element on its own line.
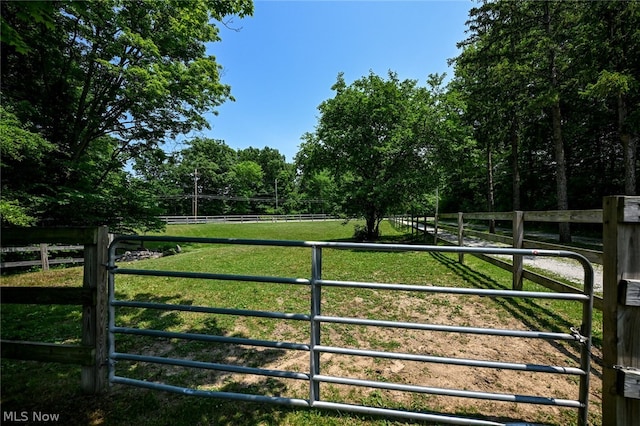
<point x="183" y="220"/>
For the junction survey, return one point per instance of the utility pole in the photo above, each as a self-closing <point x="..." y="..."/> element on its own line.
<point x="195" y="195"/>
<point x="276" y="196"/>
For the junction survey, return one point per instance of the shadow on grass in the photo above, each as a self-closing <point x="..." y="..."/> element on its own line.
<point x="528" y="311"/>
<point x="30" y="387"/>
<point x="197" y="349"/>
<point x="133" y="406"/>
<point x="42" y="323"/>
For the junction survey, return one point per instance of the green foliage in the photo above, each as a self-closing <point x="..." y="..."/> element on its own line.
<point x="228" y="181"/>
<point x="18" y="144"/>
<point x="23" y="153"/>
<point x="247" y="178"/>
<point x="12" y="214"/>
<point x="383" y="143"/>
<point x="104" y="82"/>
<point x="547" y="84"/>
<point x="611" y="83"/>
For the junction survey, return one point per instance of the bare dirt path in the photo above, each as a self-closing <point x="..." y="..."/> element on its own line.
<point x="566" y="268"/>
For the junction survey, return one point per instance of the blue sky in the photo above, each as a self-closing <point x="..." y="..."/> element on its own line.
<point x="282" y="62"/>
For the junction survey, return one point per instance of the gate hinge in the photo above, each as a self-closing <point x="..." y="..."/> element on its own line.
<point x="575" y="332"/>
<point x="628" y="382"/>
<point x="630" y="292"/>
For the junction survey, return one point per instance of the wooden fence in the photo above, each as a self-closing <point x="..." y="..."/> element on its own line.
<point x="620" y="304"/>
<point x="46" y="257"/>
<point x="621" y="313"/>
<point x="91" y="353"/>
<point x="517" y="240"/>
<point x="621" y="301"/>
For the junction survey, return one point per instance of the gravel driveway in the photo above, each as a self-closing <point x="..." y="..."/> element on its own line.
<point x="566" y="268"/>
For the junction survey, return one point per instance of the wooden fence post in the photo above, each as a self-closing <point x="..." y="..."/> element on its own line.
<point x="413" y="224"/>
<point x="518" y="238"/>
<point x="94" y="316"/>
<point x="621" y="313"/>
<point x="44" y="256"/>
<point x="460" y="236"/>
<point x="424" y="230"/>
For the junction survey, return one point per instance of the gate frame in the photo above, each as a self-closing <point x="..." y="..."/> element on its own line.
<point x="581" y="335"/>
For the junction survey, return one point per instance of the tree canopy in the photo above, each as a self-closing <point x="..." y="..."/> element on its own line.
<point x="541" y="113"/>
<point x="552" y="93"/>
<point x="379" y="139"/>
<point x="103" y="82"/>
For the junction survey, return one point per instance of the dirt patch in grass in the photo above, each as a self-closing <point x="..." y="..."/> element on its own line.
<point x="449" y="310"/>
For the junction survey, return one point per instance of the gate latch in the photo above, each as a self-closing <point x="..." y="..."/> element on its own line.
<point x="575" y="332"/>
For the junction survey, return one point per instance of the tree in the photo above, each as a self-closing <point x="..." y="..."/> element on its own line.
<point x="22" y="151"/>
<point x="318" y="190"/>
<point x="214" y="161"/>
<point x="552" y="86"/>
<point x="374" y="139"/>
<point x="91" y="73"/>
<point x="614" y="77"/>
<point x="246" y="182"/>
<point x="276" y="173"/>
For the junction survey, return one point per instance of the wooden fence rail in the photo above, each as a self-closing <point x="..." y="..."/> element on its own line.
<point x="516" y="240"/>
<point x="91" y="354"/>
<point x="45" y="256"/>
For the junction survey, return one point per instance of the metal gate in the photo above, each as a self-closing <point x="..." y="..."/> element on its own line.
<point x="580" y="335"/>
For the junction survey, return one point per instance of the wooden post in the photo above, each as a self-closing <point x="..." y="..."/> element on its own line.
<point x="621" y="313"/>
<point x="518" y="238"/>
<point x="460" y="236"/>
<point x="424" y="233"/>
<point x="44" y="256"/>
<point x="413" y="225"/>
<point x="94" y="316"/>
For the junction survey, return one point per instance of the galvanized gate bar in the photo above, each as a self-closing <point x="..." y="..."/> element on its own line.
<point x="438" y="418"/>
<point x="209" y="310"/>
<point x="316" y="309"/>
<point x="525" y="399"/>
<point x="211" y="338"/>
<point x="211" y="366"/>
<point x="208" y="276"/>
<point x="211" y="394"/>
<point x="454" y="290"/>
<point x="454" y="361"/>
<point x="358" y="246"/>
<point x="316" y="319"/>
<point x="448" y="328"/>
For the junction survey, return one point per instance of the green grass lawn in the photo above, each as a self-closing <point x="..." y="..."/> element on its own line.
<point x="45" y="387"/>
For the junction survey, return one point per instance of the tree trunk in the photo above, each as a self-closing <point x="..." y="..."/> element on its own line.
<point x="629" y="147"/>
<point x="561" y="171"/>
<point x="515" y="143"/>
<point x="372" y="226"/>
<point x="490" y="188"/>
<point x="558" y="144"/>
